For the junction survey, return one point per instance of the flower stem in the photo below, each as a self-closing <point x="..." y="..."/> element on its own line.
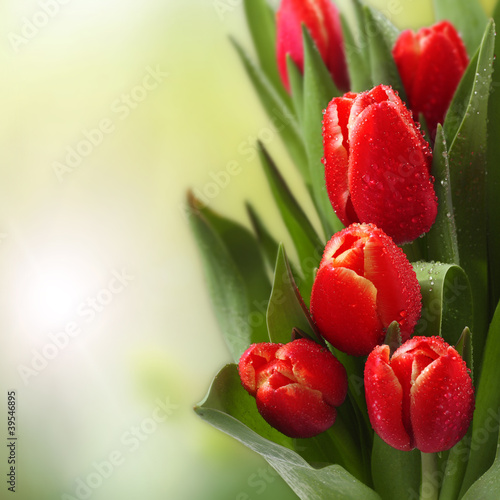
<point x="429" y="487"/>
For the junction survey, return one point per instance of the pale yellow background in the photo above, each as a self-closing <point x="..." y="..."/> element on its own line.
<point x="62" y="236"/>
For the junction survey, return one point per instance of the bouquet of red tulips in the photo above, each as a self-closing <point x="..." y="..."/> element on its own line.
<point x="367" y="367"/>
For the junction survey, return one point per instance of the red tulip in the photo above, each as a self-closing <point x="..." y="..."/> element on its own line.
<point x="431" y="64"/>
<point x="377" y="164"/>
<point x="322" y="19"/>
<point x="297" y="385"/>
<point x="363" y="284"/>
<point x="422" y="397"/>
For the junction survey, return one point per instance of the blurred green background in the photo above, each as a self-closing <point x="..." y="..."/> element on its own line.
<point x="110" y="112"/>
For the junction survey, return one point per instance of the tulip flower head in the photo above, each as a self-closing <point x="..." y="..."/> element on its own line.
<point x="377" y="164"/>
<point x="363" y="284"/>
<point x="322" y="19"/>
<point x="296" y="385"/>
<point x="421" y="397"/>
<point x="431" y="63"/>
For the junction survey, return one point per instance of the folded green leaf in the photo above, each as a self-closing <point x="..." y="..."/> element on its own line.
<point x="227" y="408"/>
<point x="487" y="414"/>
<point x="280" y="112"/>
<point x="237" y="289"/>
<point x="319" y="90"/>
<point x="441" y="240"/>
<point x="446" y="300"/>
<point x="467" y="158"/>
<point x="307" y="243"/>
<point x="286" y="308"/>
<point x="467" y="16"/>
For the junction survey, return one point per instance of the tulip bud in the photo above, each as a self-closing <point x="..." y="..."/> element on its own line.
<point x="377" y="164"/>
<point x="363" y="284"/>
<point x="422" y="397"/>
<point x="431" y="63"/>
<point x="297" y="385"/>
<point x="322" y="19"/>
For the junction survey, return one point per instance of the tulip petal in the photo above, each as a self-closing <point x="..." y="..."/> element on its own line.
<point x="252" y="361"/>
<point x="389" y="178"/>
<point x="431" y="64"/>
<point x="406" y="54"/>
<point x="321" y="17"/>
<point x="384" y="396"/>
<point x="442" y="403"/>
<point x="402" y="365"/>
<point x="335" y="160"/>
<point x="430" y="346"/>
<point x="343" y="305"/>
<point x="295" y="410"/>
<point x="398" y="291"/>
<point x="439" y="71"/>
<point x="314" y="366"/>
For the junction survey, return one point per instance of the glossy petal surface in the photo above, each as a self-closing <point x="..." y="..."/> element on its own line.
<point x="343" y="305"/>
<point x="431" y="63"/>
<point x="296" y="385"/>
<point x="380" y="171"/>
<point x="321" y="18"/>
<point x="384" y="398"/>
<point x="433" y="399"/>
<point x="363" y="284"/>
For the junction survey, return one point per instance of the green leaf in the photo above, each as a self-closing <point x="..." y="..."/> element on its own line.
<point x="267" y="243"/>
<point x="383" y="67"/>
<point x="458" y="106"/>
<point x="393" y="337"/>
<point x="455" y="461"/>
<point x="297" y="87"/>
<point x="446" y="300"/>
<point x="396" y="474"/>
<point x="488" y="485"/>
<point x="441" y="240"/>
<point x="389" y="32"/>
<point x="227" y="408"/>
<point x="363" y="42"/>
<point x="286" y="308"/>
<point x="454" y="469"/>
<point x="262" y="25"/>
<point x="244" y="250"/>
<point x="467" y="157"/>
<point x="467" y="16"/>
<point x="225" y="247"/>
<point x="359" y="68"/>
<point x="464" y="347"/>
<point x="319" y="90"/>
<point x="307" y="243"/>
<point x="487" y="414"/>
<point x="280" y="112"/>
<point x="493" y="176"/>
<point x="226" y="395"/>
